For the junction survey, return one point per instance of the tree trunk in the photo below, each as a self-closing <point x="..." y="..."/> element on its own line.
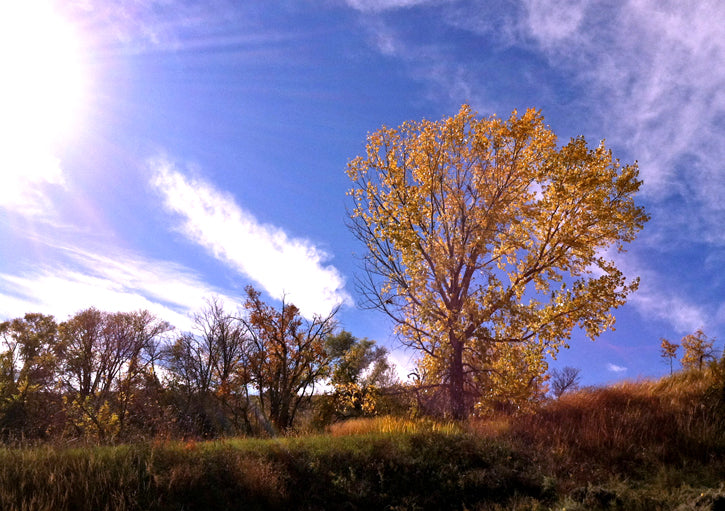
<point x="457" y="396"/>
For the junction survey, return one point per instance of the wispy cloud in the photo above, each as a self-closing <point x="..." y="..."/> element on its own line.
<point x="139" y="25"/>
<point x="285" y="267"/>
<point x="660" y="92"/>
<point x="650" y="77"/>
<point x="80" y="278"/>
<point x="552" y="21"/>
<point x="659" y="299"/>
<point x="26" y="171"/>
<point x="683" y="316"/>
<point x="383" y="5"/>
<point x="720" y="316"/>
<point x="614" y="368"/>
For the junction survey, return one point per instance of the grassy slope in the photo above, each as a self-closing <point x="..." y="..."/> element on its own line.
<point x="644" y="445"/>
<point x="373" y="471"/>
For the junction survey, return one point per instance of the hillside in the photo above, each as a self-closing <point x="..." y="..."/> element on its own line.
<point x="641" y="445"/>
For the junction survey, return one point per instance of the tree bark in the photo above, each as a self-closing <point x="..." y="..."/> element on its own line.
<point x="457" y="396"/>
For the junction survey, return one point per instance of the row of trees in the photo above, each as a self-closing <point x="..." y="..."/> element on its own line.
<point x="698" y="351"/>
<point x="485" y="243"/>
<point x="117" y="375"/>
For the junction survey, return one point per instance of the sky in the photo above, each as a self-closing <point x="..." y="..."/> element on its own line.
<point x="154" y="153"/>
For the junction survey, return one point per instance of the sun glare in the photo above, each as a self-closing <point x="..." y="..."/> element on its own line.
<point x="40" y="93"/>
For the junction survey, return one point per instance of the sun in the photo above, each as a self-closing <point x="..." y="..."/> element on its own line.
<point x="41" y="91"/>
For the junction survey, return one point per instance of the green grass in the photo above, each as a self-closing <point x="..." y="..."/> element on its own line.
<point x="634" y="446"/>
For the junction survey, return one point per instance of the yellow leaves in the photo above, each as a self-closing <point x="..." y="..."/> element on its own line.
<point x="353" y="399"/>
<point x="698" y="349"/>
<point x="471" y="221"/>
<point x="93" y="420"/>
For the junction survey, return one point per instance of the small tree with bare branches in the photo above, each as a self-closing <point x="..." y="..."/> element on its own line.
<point x="565" y="380"/>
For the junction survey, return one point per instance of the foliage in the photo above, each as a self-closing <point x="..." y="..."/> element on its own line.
<point x="28" y="364"/>
<point x="636" y="429"/>
<point x="697" y="350"/>
<point x="644" y="445"/>
<point x="208" y="369"/>
<point x="485" y="244"/>
<point x="360" y="373"/>
<point x="103" y="358"/>
<point x="390" y="424"/>
<point x="396" y="471"/>
<point x="108" y="377"/>
<point x="668" y="351"/>
<point x="287" y="356"/>
<point x="633" y="446"/>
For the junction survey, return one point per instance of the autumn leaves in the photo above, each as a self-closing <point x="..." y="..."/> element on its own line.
<point x="485" y="245"/>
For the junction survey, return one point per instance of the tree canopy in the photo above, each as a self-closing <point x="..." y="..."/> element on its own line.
<point x="487" y="244"/>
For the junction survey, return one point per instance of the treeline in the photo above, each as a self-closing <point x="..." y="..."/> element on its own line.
<point x="112" y="376"/>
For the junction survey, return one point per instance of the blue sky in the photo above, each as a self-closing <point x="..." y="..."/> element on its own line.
<point x="156" y="152"/>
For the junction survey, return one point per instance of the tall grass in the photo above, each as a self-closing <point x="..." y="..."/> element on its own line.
<point x="421" y="470"/>
<point x="636" y="429"/>
<point x="638" y="445"/>
<point x="389" y="424"/>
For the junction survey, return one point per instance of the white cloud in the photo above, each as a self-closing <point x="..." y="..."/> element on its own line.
<point x="657" y="298"/>
<point x="81" y="278"/>
<point x="383" y="5"/>
<point x="142" y="24"/>
<point x="404" y="361"/>
<point x="290" y="268"/>
<point x="615" y="368"/>
<point x="385" y="39"/>
<point x="683" y="316"/>
<point x="656" y="80"/>
<point x="25" y="172"/>
<point x="720" y="314"/>
<point x="62" y="292"/>
<point x="550" y="21"/>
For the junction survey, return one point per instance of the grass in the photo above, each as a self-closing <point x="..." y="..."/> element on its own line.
<point x="634" y="446"/>
<point x="373" y="471"/>
<point x="388" y="424"/>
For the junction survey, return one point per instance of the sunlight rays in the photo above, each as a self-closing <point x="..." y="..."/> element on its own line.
<point x="40" y="99"/>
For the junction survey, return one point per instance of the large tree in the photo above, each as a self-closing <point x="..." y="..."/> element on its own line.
<point x="487" y="244"/>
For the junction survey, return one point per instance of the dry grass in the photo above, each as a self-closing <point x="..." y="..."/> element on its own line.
<point x="392" y="425"/>
<point x="638" y="445"/>
<point x="634" y="428"/>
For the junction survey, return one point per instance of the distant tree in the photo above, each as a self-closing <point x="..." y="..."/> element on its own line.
<point x="565" y="380"/>
<point x="360" y="371"/>
<point x="287" y="357"/>
<point x="208" y="370"/>
<point x="28" y="362"/>
<point x="485" y="245"/>
<point x="668" y="351"/>
<point x="102" y="359"/>
<point x="138" y="387"/>
<point x="698" y="350"/>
